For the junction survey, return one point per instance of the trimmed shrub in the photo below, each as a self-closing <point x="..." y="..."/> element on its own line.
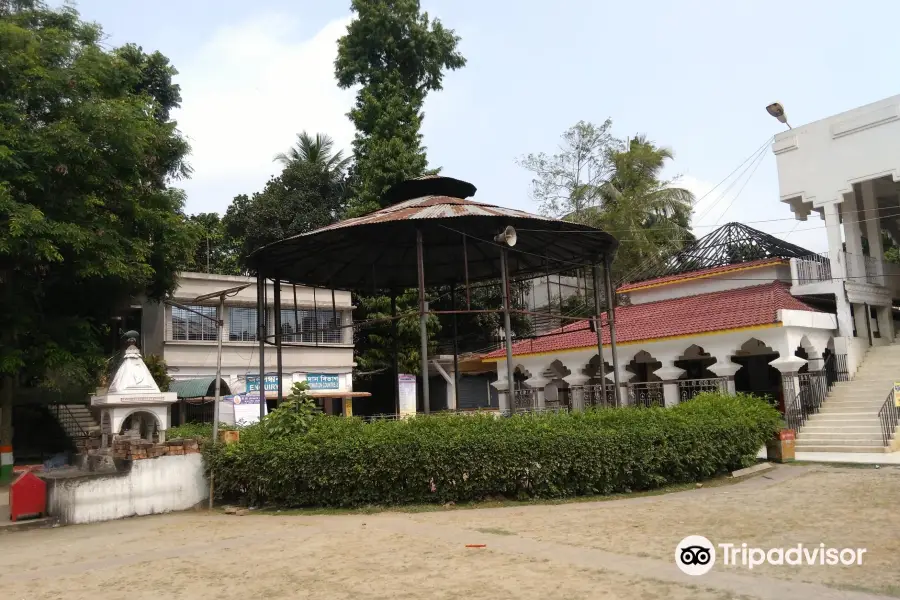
<point x="343" y="462"/>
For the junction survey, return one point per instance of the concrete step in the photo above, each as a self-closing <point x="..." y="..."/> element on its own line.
<point x="871" y="410"/>
<point x="857" y="418"/>
<point x="841" y="437"/>
<point x="853" y="401"/>
<point x="836" y="448"/>
<point x="842" y="427"/>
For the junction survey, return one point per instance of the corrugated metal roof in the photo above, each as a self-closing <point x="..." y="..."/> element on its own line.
<point x="430" y="207"/>
<point x="198" y="388"/>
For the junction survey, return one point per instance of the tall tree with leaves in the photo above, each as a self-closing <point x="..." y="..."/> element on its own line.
<point x="319" y="151"/>
<point x="305" y="196"/>
<point x="397" y="55"/>
<point x="568" y="183"/>
<point x="650" y="214"/>
<point x="87" y="215"/>
<point x="215" y="250"/>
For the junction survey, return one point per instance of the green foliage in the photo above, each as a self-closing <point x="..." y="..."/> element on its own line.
<point x="304" y="197"/>
<point x="319" y="151"/>
<point x="396" y="54"/>
<point x="197" y="431"/>
<point x="215" y="251"/>
<point x="294" y="416"/>
<point x="158" y="368"/>
<point x="88" y="219"/>
<point x="639" y="206"/>
<point x="346" y="462"/>
<point x="567" y="183"/>
<point x="374" y="343"/>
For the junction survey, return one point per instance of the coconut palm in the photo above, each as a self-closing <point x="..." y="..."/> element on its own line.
<point x="318" y="150"/>
<point x="649" y="214"/>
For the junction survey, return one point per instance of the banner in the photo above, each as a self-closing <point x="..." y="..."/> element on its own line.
<point x="407" y="385"/>
<point x="246" y="408"/>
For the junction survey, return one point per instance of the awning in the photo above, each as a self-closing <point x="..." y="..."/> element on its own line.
<point x="201" y="387"/>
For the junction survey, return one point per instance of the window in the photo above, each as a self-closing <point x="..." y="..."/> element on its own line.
<point x="242" y="324"/>
<point x="304" y="326"/>
<point x="187" y="325"/>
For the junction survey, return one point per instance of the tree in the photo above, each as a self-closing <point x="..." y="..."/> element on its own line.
<point x="214" y="251"/>
<point x="304" y="197"/>
<point x="649" y="213"/>
<point x="319" y="151"/>
<point x="569" y="182"/>
<point x="397" y="55"/>
<point x="88" y="217"/>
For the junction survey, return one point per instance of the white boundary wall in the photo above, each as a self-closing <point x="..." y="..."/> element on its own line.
<point x="152" y="486"/>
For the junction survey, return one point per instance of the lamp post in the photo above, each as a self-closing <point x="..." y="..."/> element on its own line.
<point x="508" y="237"/>
<point x="777" y="110"/>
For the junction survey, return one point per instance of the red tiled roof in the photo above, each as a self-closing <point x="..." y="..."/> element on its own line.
<point x="701" y="273"/>
<point x="716" y="311"/>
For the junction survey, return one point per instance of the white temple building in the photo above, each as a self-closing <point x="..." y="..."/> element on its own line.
<point x="741" y="310"/>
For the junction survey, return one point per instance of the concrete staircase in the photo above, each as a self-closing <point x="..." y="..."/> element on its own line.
<point x="75" y="419"/>
<point x="848" y="420"/>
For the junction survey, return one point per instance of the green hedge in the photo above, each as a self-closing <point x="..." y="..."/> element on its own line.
<point x="346" y="462"/>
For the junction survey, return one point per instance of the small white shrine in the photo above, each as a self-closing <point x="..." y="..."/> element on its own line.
<point x="133" y="406"/>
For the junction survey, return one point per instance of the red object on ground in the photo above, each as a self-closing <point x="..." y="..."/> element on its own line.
<point x="475" y="545"/>
<point x="27" y="497"/>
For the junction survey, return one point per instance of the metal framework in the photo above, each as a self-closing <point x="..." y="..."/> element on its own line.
<point x="733" y="243"/>
<point x="430" y="236"/>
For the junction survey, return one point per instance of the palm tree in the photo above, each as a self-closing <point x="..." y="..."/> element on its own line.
<point x="318" y="150"/>
<point x="650" y="215"/>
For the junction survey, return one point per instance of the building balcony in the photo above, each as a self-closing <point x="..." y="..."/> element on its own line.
<point x="823" y="274"/>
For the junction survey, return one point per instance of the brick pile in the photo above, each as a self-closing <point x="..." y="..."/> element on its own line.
<point x="142" y="449"/>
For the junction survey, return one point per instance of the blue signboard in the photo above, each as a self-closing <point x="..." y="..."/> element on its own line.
<point x="323" y="381"/>
<point x="271" y="382"/>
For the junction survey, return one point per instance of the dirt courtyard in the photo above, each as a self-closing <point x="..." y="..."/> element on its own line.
<point x="622" y="548"/>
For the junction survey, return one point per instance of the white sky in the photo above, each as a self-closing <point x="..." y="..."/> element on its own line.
<point x="693" y="75"/>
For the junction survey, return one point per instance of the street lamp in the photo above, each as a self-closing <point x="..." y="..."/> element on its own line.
<point x="777" y="110"/>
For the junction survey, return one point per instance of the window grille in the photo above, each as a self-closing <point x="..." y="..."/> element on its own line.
<point x="328" y="327"/>
<point x="187" y="325"/>
<point x="242" y="324"/>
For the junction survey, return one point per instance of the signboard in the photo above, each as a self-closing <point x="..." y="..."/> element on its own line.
<point x="246" y="408"/>
<point x="323" y="381"/>
<point x="897" y="394"/>
<point x="271" y="382"/>
<point x="407" y="385"/>
<point x="348" y="407"/>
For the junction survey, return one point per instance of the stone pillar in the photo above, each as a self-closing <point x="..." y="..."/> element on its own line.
<point x="726" y="369"/>
<point x="503" y="399"/>
<point x="862" y="322"/>
<point x="835" y="245"/>
<point x="537" y="384"/>
<point x="789" y="366"/>
<point x="886" y="323"/>
<point x="873" y="228"/>
<point x="576" y="383"/>
<point x="670" y="376"/>
<point x="856" y="266"/>
<point x="624" y="377"/>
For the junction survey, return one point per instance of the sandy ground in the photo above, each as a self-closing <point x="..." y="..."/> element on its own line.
<point x="616" y="549"/>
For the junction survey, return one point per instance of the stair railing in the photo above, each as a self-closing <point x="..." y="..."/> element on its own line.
<point x="888" y="415"/>
<point x="68" y="421"/>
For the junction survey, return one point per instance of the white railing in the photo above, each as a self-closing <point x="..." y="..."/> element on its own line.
<point x="813" y="268"/>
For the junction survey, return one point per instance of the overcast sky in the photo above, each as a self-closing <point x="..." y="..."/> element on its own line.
<point x="694" y="75"/>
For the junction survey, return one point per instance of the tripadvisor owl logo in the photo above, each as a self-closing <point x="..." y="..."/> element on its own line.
<point x="695" y="555"/>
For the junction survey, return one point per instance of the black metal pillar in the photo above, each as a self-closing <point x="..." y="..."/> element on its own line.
<point x="599" y="325"/>
<point x="395" y="363"/>
<point x="277" y="301"/>
<point x="261" y="336"/>
<point x="507" y="331"/>
<point x="611" y="317"/>
<point x="455" y="348"/>
<point x="423" y="321"/>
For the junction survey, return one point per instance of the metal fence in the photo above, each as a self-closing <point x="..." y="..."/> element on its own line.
<point x="688" y="388"/>
<point x="888" y="415"/>
<point x="599" y="395"/>
<point x="646" y="394"/>
<point x="813" y="268"/>
<point x="525" y="399"/>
